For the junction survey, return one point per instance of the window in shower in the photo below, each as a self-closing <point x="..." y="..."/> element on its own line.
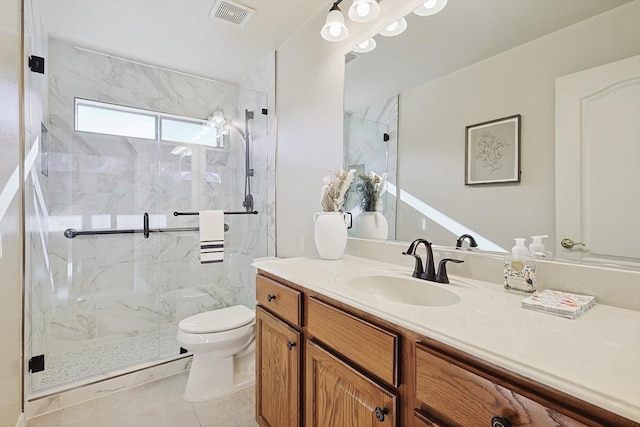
<point x="117" y="120"/>
<point x="190" y="132"/>
<point x="110" y="119"/>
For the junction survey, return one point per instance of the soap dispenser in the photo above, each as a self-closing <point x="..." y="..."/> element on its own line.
<point x="519" y="269"/>
<point x="536" y="248"/>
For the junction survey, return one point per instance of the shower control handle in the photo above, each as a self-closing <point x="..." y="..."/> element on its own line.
<point x="271" y="297"/>
<point x="290" y="345"/>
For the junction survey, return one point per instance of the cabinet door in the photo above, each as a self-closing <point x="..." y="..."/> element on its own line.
<point x="339" y="396"/>
<point x="278" y="372"/>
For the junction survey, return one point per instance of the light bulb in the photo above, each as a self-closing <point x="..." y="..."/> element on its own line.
<point x="365" y="46"/>
<point x="395" y="28"/>
<point x="334" y="29"/>
<point x="363" y="9"/>
<point x="430" y="7"/>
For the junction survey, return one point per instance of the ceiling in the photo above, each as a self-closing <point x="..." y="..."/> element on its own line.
<point x="179" y="34"/>
<point x="465" y="32"/>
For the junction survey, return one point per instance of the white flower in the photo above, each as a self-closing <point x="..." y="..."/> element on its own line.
<point x="334" y="190"/>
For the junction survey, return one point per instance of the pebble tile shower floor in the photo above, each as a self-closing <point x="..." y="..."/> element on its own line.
<point x="155" y="404"/>
<point x="86" y="362"/>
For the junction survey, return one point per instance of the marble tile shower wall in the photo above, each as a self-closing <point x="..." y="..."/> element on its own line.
<point x="364" y="145"/>
<point x="110" y="288"/>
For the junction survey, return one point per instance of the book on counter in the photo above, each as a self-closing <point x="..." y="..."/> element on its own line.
<point x="559" y="303"/>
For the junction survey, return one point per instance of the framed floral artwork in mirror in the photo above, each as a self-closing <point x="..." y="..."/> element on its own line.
<point x="492" y="154"/>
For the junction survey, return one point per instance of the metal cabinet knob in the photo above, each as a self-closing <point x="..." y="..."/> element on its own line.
<point x="270" y="297"/>
<point x="380" y="413"/>
<point x="569" y="244"/>
<point x="290" y="345"/>
<point x="500" y="422"/>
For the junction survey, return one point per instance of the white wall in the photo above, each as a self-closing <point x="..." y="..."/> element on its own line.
<point x="10" y="212"/>
<point x="309" y="102"/>
<point x="520" y="81"/>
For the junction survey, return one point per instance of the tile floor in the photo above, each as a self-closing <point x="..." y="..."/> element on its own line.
<point x="155" y="404"/>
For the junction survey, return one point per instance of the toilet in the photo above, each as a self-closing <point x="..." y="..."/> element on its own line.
<point x="223" y="345"/>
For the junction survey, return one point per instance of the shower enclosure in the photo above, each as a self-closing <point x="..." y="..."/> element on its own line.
<point x="106" y="303"/>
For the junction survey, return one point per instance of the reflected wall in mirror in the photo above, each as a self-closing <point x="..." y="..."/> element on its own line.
<point x="370" y="147"/>
<point x="452" y="70"/>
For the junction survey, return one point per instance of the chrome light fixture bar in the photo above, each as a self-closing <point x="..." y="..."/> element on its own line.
<point x="334" y="29"/>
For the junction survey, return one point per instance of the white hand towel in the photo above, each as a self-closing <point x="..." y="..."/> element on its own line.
<point x="211" y="236"/>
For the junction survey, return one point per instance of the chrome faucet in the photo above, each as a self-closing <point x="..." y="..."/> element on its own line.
<point x="429" y="272"/>
<point x="472" y="241"/>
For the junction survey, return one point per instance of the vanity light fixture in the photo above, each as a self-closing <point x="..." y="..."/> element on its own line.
<point x="366" y="46"/>
<point x="395" y="28"/>
<point x="430" y="7"/>
<point x="364" y="10"/>
<point x="334" y="29"/>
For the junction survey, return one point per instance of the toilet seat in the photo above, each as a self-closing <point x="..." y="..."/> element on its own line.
<point x="221" y="320"/>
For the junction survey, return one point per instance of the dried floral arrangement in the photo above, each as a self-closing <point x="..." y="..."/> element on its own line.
<point x="334" y="190"/>
<point x="370" y="188"/>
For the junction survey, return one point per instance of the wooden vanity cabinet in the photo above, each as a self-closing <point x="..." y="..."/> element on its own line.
<point x="279" y="343"/>
<point x="323" y="363"/>
<point x="341" y="373"/>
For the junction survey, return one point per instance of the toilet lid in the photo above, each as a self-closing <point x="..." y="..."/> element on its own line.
<point x="223" y="319"/>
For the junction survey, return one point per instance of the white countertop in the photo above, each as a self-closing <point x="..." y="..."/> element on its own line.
<point x="595" y="357"/>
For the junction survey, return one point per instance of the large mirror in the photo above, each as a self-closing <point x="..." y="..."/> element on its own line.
<point x="476" y="62"/>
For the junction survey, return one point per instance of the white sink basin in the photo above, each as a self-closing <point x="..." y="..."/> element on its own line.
<point x="404" y="290"/>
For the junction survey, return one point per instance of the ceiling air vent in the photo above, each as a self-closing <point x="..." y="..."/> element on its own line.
<point x="232" y="12"/>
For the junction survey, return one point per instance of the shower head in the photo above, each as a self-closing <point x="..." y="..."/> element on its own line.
<point x="218" y="119"/>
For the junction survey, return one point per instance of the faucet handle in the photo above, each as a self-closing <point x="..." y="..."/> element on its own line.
<point x="418" y="271"/>
<point x="442" y="277"/>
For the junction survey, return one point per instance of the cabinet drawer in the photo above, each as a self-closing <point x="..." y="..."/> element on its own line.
<point x="420" y="420"/>
<point x="280" y="300"/>
<point x="458" y="397"/>
<point x="367" y="345"/>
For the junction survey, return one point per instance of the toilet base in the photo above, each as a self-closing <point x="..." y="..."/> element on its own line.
<point x="211" y="378"/>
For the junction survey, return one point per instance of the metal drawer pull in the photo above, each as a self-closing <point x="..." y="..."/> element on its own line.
<point x="380" y="413"/>
<point x="270" y="297"/>
<point x="500" y="422"/>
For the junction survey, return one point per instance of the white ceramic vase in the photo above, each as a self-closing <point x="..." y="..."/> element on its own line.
<point x="330" y="234"/>
<point x="372" y="225"/>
